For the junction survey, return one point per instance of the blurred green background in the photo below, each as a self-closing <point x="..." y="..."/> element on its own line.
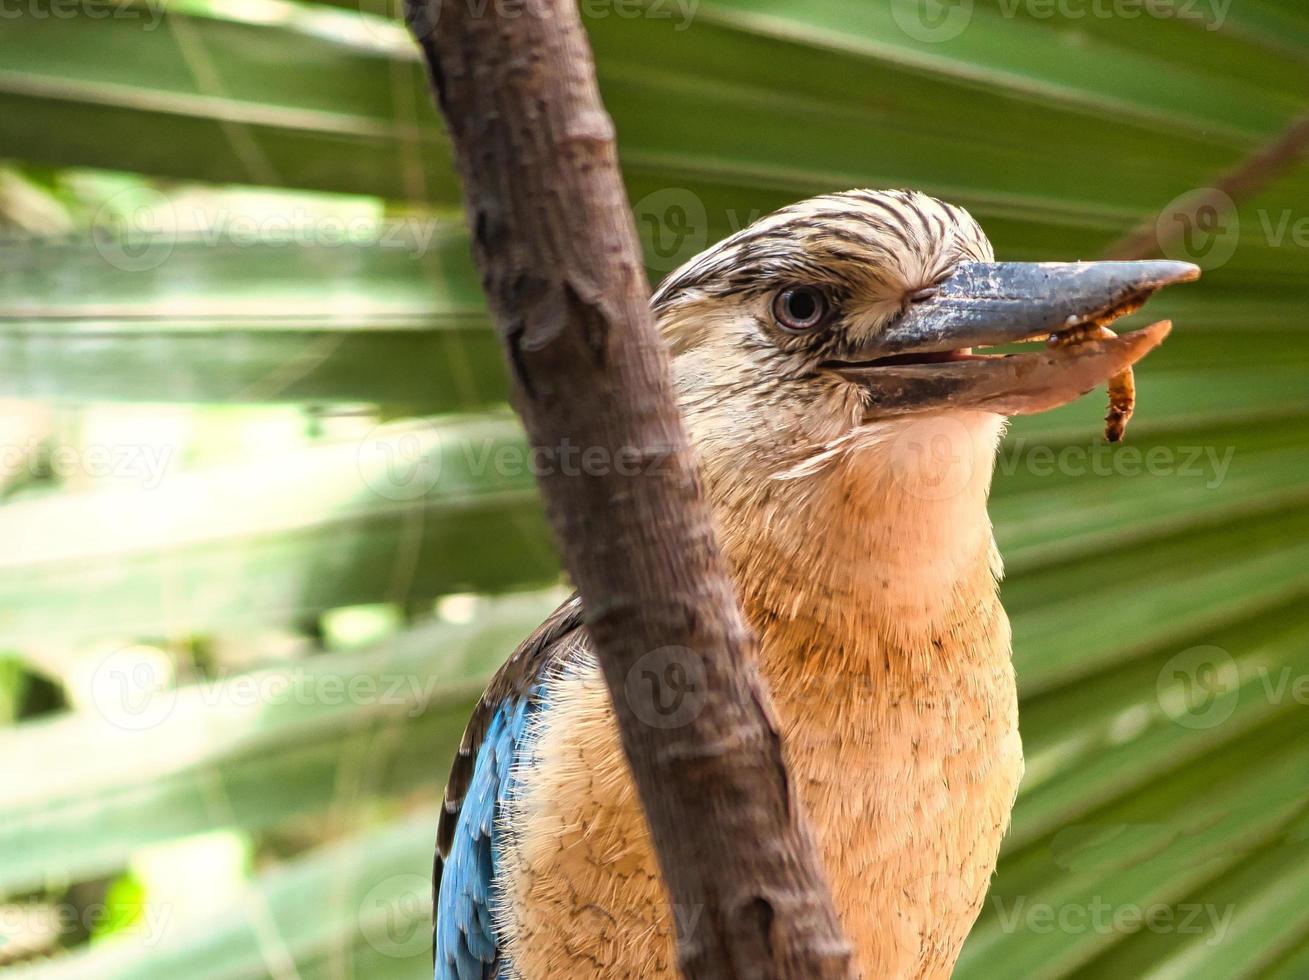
<point x="266" y="525"/>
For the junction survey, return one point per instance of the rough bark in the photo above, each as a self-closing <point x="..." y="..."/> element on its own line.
<point x="555" y="244"/>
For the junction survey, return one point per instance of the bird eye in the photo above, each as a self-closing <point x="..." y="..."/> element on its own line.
<point x="800" y="308"/>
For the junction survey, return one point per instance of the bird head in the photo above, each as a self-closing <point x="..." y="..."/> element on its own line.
<point x="833" y="344"/>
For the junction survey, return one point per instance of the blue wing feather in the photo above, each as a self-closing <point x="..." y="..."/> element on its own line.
<point x="498" y="739"/>
<point x="466" y="947"/>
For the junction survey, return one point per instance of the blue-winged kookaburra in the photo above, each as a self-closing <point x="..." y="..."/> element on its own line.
<point x="845" y="435"/>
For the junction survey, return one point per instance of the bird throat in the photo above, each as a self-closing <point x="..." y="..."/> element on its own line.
<point x="887" y="653"/>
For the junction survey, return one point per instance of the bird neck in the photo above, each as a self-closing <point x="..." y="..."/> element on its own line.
<point x="883" y="560"/>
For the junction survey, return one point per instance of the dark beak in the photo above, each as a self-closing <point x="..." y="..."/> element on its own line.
<point x="924" y="362"/>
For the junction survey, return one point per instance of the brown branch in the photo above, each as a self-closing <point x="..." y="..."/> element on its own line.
<point x="554" y="241"/>
<point x="1248" y="178"/>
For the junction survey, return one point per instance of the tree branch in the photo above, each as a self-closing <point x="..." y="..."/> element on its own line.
<point x="1255" y="172"/>
<point x="555" y="244"/>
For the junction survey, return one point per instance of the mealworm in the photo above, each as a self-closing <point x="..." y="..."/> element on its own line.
<point x="1122" y="386"/>
<point x="1122" y="403"/>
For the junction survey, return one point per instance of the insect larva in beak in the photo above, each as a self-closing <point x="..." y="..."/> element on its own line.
<point x="1122" y="386"/>
<point x="1122" y="402"/>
